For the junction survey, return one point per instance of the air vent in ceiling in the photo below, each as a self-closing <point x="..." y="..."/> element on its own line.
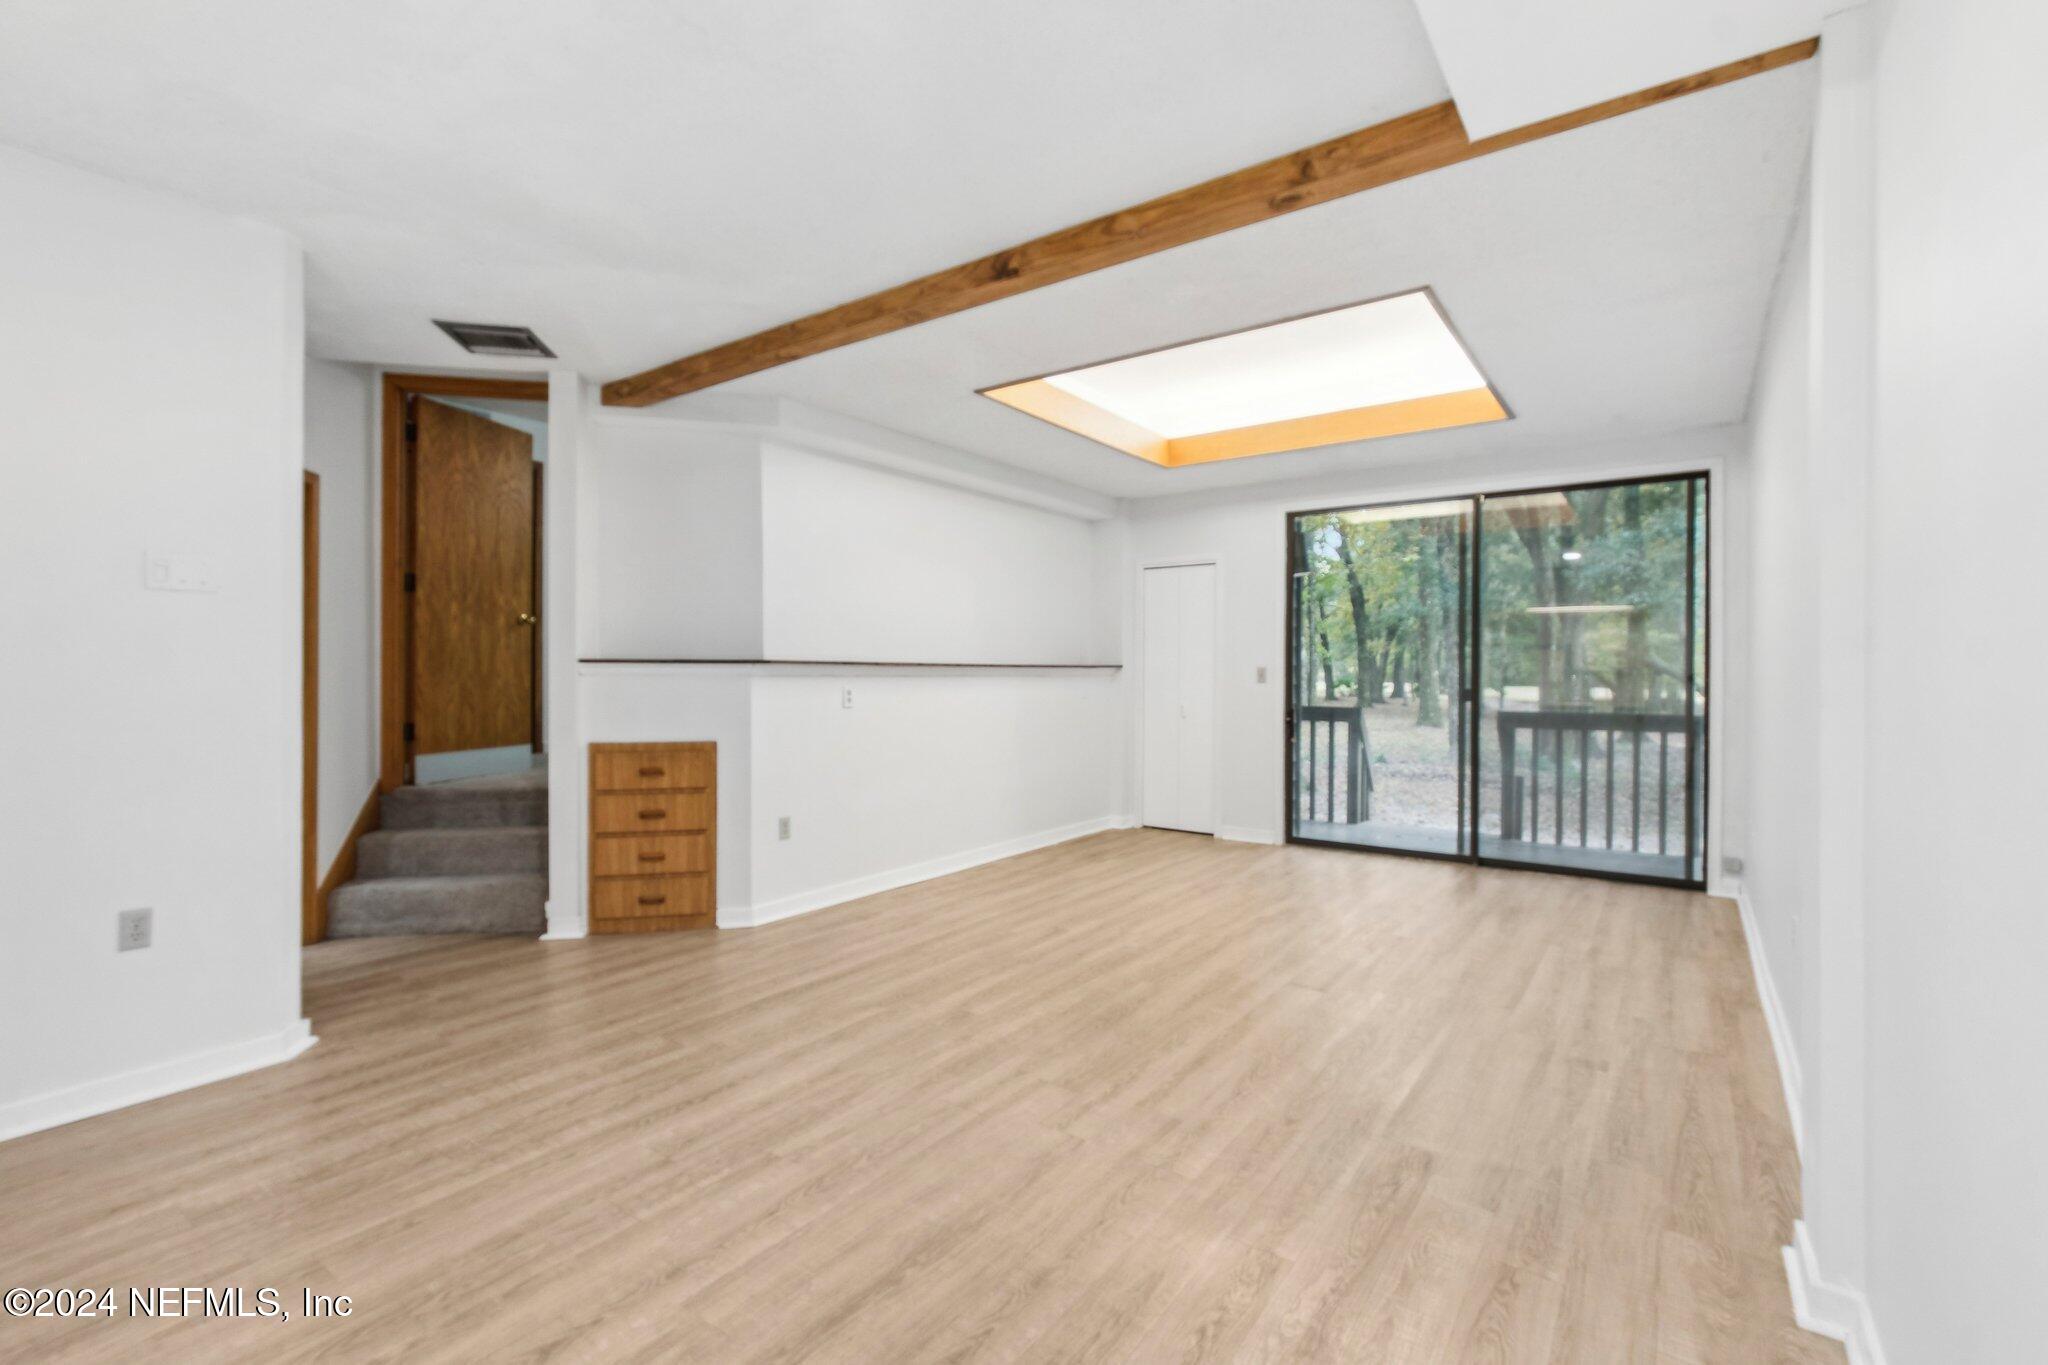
<point x="488" y="338"/>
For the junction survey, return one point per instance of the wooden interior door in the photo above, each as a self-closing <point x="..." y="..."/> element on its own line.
<point x="473" y="618"/>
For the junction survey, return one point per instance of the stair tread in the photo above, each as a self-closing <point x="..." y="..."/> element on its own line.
<point x="448" y="879"/>
<point x="454" y="793"/>
<point x="476" y="832"/>
<point x="468" y="902"/>
<point x="451" y="850"/>
<point x="459" y="807"/>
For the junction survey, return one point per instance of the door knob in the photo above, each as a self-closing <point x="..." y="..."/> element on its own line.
<point x="527" y="618"/>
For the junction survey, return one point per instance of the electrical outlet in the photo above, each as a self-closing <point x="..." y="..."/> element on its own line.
<point x="132" y="930"/>
<point x="846" y="698"/>
<point x="1262" y="673"/>
<point x="782" y="827"/>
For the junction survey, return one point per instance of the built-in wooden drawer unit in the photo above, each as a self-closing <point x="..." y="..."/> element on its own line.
<point x="652" y="812"/>
<point x="650" y="855"/>
<point x="642" y="898"/>
<point x="642" y="770"/>
<point x="653" y="837"/>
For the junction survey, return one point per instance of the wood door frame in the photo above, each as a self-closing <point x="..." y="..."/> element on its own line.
<point x="312" y="917"/>
<point x="539" y="631"/>
<point x="395" y="548"/>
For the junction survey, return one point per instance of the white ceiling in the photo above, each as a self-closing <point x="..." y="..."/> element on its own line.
<point x="640" y="179"/>
<point x="1511" y="63"/>
<point x="1611" y="282"/>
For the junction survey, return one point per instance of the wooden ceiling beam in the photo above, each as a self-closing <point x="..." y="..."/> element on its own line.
<point x="1426" y="140"/>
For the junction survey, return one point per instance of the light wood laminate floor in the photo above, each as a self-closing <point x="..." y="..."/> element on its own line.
<point x="1141" y="1097"/>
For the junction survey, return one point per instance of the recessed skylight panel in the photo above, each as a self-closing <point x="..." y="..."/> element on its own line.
<point x="1381" y="368"/>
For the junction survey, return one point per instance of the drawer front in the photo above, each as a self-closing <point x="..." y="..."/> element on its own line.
<point x="632" y="770"/>
<point x="647" y="855"/>
<point x="650" y="897"/>
<point x="650" y="812"/>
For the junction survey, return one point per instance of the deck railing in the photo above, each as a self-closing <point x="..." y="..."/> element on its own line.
<point x="1554" y="774"/>
<point x="1332" y="738"/>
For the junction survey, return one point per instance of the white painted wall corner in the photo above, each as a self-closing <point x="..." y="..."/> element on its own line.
<point x="1819" y="1305"/>
<point x="564" y="925"/>
<point x="1832" y="1310"/>
<point x="1789" y="1075"/>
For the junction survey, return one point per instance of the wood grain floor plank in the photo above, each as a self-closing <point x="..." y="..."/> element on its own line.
<point x="1139" y="1097"/>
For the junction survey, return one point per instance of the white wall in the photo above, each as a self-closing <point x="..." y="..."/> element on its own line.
<point x="1244" y="531"/>
<point x="1780" y="774"/>
<point x="1893" y="865"/>
<point x="340" y="408"/>
<point x="1957" y="931"/>
<point x="923" y="769"/>
<point x="676" y="552"/>
<point x="149" y="741"/>
<point x="623" y="704"/>
<point x="568" y="622"/>
<point x="723" y="540"/>
<point x="867" y="564"/>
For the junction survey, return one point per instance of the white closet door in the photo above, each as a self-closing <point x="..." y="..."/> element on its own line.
<point x="1161" y="737"/>
<point x="1198" y="698"/>
<point x="1180" y="698"/>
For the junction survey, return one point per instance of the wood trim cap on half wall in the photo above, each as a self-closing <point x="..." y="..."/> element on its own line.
<point x="1410" y="145"/>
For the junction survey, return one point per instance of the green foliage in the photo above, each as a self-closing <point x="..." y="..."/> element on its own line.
<point x="1374" y="589"/>
<point x="1384" y="562"/>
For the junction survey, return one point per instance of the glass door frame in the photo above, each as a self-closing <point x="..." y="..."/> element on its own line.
<point x="1467" y="672"/>
<point x="1699" y="601"/>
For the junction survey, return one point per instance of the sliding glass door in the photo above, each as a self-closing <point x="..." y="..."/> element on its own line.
<point x="1592" y="676"/>
<point x="1380" y="735"/>
<point x="1518" y="679"/>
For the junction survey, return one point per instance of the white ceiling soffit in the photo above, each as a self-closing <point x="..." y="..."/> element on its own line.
<point x="1612" y="282"/>
<point x="638" y="180"/>
<point x="1511" y="63"/>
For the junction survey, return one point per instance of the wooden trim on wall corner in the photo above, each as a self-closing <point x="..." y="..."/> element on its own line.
<point x="343" y="869"/>
<point x="309" y="696"/>
<point x="470" y="386"/>
<point x="394" y="550"/>
<point x="1415" y="143"/>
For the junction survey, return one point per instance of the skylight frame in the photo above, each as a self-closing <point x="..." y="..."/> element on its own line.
<point x="1037" y="397"/>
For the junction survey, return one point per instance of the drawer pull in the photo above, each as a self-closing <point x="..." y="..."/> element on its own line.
<point x="654" y="900"/>
<point x="652" y="814"/>
<point x="654" y="857"/>
<point x="652" y="772"/>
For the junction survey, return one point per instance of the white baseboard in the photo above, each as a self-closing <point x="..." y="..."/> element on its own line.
<point x="1246" y="834"/>
<point x="76" y="1102"/>
<point x="566" y="918"/>
<point x="1789" y="1075"/>
<point x="803" y="902"/>
<point x="1832" y="1310"/>
<point x="1818" y="1305"/>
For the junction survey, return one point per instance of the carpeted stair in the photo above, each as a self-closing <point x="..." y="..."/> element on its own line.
<point x="465" y="857"/>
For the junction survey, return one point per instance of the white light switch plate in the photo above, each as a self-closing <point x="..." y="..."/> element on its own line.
<point x="176" y="571"/>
